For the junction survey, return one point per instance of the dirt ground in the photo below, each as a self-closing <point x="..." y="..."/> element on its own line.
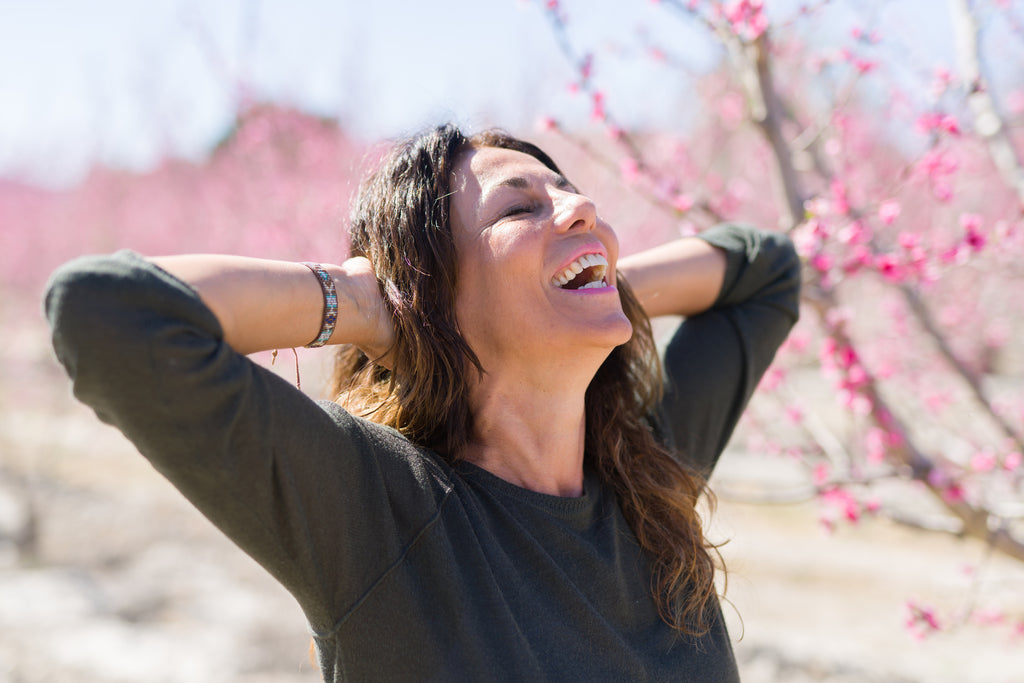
<point x="108" y="575"/>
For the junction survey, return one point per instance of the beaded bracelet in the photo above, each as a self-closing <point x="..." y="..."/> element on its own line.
<point x="330" y="304"/>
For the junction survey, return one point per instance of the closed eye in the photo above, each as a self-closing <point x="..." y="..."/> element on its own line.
<point x="518" y="209"/>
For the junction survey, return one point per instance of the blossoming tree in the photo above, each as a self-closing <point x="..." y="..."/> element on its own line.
<point x="901" y="182"/>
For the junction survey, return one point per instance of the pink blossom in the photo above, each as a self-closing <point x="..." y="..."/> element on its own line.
<point x="908" y="240"/>
<point x="687" y="229"/>
<point x="547" y="123"/>
<point x="936" y="164"/>
<point x="746" y="18"/>
<point x="860" y="257"/>
<point x="921" y="620"/>
<point x="843" y="501"/>
<point x="805" y="240"/>
<point x="821" y="262"/>
<point x="889" y="211"/>
<point x="942" y="190"/>
<point x="863" y="65"/>
<point x="796" y="342"/>
<point x="855" y="402"/>
<point x="840" y="201"/>
<point x="846" y="357"/>
<point x="821" y="473"/>
<point x="890" y="268"/>
<point x="974" y="238"/>
<point x="836" y="317"/>
<point x="951" y="254"/>
<point x="682" y="202"/>
<point x="598" y="113"/>
<point x="933" y="121"/>
<point x="794" y="414"/>
<point x="954" y="493"/>
<point x="983" y="462"/>
<point x="1012" y="461"/>
<point x="854" y="233"/>
<point x="856" y="377"/>
<point x="772" y="379"/>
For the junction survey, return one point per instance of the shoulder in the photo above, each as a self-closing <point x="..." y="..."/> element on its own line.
<point x="401" y="461"/>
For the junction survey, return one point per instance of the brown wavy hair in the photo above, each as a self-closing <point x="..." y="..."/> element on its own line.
<point x="401" y="223"/>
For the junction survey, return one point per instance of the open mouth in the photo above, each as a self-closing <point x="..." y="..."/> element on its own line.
<point x="586" y="272"/>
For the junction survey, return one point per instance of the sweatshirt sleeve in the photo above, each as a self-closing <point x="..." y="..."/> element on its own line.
<point x="715" y="360"/>
<point x="322" y="500"/>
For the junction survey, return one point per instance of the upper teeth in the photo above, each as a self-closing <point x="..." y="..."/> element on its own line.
<point x="600" y="263"/>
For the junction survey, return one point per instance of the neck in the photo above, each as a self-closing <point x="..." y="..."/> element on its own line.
<point x="530" y="434"/>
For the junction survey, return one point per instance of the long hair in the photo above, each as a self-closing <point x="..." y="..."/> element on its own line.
<point x="401" y="223"/>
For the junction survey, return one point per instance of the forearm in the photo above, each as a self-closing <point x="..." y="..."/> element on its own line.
<point x="683" y="277"/>
<point x="263" y="304"/>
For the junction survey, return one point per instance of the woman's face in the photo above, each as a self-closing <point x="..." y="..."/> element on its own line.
<point x="536" y="264"/>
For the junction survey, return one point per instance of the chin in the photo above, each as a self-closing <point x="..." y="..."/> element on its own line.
<point x="620" y="330"/>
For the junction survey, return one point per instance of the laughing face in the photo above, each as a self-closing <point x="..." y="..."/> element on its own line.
<point x="536" y="264"/>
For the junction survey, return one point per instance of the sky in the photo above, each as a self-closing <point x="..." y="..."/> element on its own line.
<point x="123" y="82"/>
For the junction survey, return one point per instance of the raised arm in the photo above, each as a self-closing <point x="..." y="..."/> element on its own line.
<point x="283" y="476"/>
<point x="748" y="282"/>
<point x="263" y="304"/>
<point x="683" y="277"/>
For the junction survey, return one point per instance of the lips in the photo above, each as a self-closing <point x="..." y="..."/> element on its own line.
<point x="586" y="272"/>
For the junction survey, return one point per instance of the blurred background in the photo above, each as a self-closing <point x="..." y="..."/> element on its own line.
<point x="871" y="501"/>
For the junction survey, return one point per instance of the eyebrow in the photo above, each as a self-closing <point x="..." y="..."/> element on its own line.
<point x="521" y="183"/>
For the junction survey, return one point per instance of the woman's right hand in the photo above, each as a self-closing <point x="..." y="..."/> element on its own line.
<point x="358" y="285"/>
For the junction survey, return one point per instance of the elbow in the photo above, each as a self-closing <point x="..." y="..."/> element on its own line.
<point x="787" y="269"/>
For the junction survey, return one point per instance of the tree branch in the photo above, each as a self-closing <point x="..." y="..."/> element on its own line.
<point x="987" y="121"/>
<point x="975" y="521"/>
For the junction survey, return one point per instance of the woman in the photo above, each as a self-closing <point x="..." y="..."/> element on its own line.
<point x="500" y="491"/>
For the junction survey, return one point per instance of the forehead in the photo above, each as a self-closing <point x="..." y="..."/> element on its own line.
<point x="482" y="170"/>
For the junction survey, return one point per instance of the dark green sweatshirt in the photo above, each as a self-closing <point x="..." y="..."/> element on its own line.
<point x="408" y="568"/>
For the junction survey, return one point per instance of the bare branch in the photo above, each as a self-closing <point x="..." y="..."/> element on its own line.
<point x="987" y="121"/>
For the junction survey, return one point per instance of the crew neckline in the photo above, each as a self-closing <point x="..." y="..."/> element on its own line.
<point x="547" y="501"/>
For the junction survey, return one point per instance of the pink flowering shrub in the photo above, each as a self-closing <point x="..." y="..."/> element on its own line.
<point x="277" y="186"/>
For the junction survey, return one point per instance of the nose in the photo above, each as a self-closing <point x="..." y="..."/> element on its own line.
<point x="573" y="212"/>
